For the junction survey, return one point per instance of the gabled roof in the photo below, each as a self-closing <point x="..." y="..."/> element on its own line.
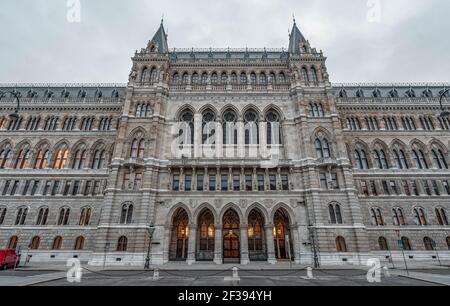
<point x="295" y="39"/>
<point x="160" y="39"/>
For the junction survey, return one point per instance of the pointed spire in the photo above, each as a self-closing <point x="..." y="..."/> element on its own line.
<point x="295" y="39"/>
<point x="160" y="39"/>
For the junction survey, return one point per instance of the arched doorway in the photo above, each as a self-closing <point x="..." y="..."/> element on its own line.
<point x="282" y="235"/>
<point x="256" y="238"/>
<point x="180" y="236"/>
<point x="205" y="236"/>
<point x="231" y="243"/>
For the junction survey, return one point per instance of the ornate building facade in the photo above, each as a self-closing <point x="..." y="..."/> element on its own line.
<point x="91" y="171"/>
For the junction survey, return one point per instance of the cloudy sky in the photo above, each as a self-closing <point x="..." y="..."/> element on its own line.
<point x="407" y="42"/>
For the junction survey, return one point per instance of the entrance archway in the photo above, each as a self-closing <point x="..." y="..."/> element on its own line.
<point x="179" y="241"/>
<point x="231" y="238"/>
<point x="206" y="236"/>
<point x="256" y="237"/>
<point x="282" y="235"/>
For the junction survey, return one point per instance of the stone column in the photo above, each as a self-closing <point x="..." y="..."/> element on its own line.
<point x="244" y="244"/>
<point x="270" y="245"/>
<point x="192" y="244"/>
<point x="218" y="244"/>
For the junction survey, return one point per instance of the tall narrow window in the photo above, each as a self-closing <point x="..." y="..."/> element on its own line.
<point x="341" y="246"/>
<point x="122" y="244"/>
<point x="126" y="216"/>
<point x="64" y="214"/>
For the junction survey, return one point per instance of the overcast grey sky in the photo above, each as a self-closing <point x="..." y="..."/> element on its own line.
<point x="410" y="43"/>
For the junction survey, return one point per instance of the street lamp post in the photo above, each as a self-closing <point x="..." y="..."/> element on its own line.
<point x="151" y="230"/>
<point x="15" y="114"/>
<point x="314" y="247"/>
<point x="444" y="111"/>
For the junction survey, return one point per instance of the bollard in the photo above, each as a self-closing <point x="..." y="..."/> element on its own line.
<point x="156" y="275"/>
<point x="235" y="276"/>
<point x="309" y="273"/>
<point x="386" y="272"/>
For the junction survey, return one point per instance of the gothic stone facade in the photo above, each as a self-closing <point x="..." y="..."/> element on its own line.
<point x="89" y="170"/>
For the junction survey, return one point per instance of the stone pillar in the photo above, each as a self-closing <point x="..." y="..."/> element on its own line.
<point x="244" y="244"/>
<point x="218" y="244"/>
<point x="270" y="245"/>
<point x="192" y="244"/>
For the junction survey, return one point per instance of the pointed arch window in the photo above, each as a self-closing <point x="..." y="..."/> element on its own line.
<point x="42" y="216"/>
<point x="187" y="127"/>
<point x="305" y="76"/>
<point x="243" y="78"/>
<point x="57" y="242"/>
<point x="12" y="244"/>
<point x="314" y="76"/>
<point x="21" y="216"/>
<point x="154" y="75"/>
<point x="224" y="78"/>
<point x="376" y="217"/>
<point x="419" y="159"/>
<point x="382" y="243"/>
<point x="251" y="128"/>
<point x="420" y="217"/>
<point x="208" y="127"/>
<point x="176" y="78"/>
<point x="35" y="243"/>
<point x="381" y="159"/>
<point x="229" y="128"/>
<point x="79" y="160"/>
<point x="322" y="148"/>
<point x="145" y="75"/>
<point x="204" y="79"/>
<point x="63" y="217"/>
<point x="195" y="78"/>
<point x="99" y="159"/>
<point x="441" y="216"/>
<point x="60" y="159"/>
<point x="185" y="78"/>
<point x="282" y="78"/>
<point x="398" y="217"/>
<point x="4" y="157"/>
<point x="85" y="217"/>
<point x="79" y="243"/>
<point x="341" y="246"/>
<point x="214" y="78"/>
<point x="273" y="128"/>
<point x="126" y="216"/>
<point x="439" y="159"/>
<point x="429" y="244"/>
<point x="334" y="210"/>
<point x="41" y="159"/>
<point x="361" y="159"/>
<point x="22" y="160"/>
<point x="122" y="244"/>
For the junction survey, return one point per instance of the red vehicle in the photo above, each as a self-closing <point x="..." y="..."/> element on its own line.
<point x="8" y="259"/>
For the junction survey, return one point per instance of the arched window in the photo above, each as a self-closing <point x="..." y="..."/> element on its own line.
<point x="398" y="217"/>
<point x="361" y="159"/>
<point x="208" y="126"/>
<point x="145" y="75"/>
<point x="314" y="77"/>
<point x="176" y="78"/>
<point x="204" y="78"/>
<point x="185" y="78"/>
<point x="224" y="78"/>
<point x="137" y="150"/>
<point x="335" y="213"/>
<point x="79" y="243"/>
<point x="4" y="157"/>
<point x="252" y="78"/>
<point x="305" y="76"/>
<point x="41" y="159"/>
<point x="441" y="216"/>
<point x="272" y="78"/>
<point x="42" y="216"/>
<point x="35" y="242"/>
<point x="63" y="217"/>
<point x="22" y="159"/>
<point x="21" y="216"/>
<point x="85" y="217"/>
<point x="400" y="159"/>
<point x="187" y="127"/>
<point x="256" y="235"/>
<point x="99" y="159"/>
<point x="251" y="128"/>
<point x="380" y="157"/>
<point x="281" y="78"/>
<point x="60" y="159"/>
<point x="419" y="159"/>
<point x="262" y="78"/>
<point x="122" y="244"/>
<point x="243" y="78"/>
<point x="79" y="159"/>
<point x="57" y="242"/>
<point x="234" y="78"/>
<point x="376" y="217"/>
<point x="3" y="211"/>
<point x="429" y="244"/>
<point x="214" y="78"/>
<point x="406" y="244"/>
<point x="12" y="244"/>
<point x="439" y="159"/>
<point x="273" y="128"/>
<point x="179" y="241"/>
<point x="126" y="216"/>
<point x="206" y="234"/>
<point x="341" y="246"/>
<point x="382" y="242"/>
<point x="195" y="78"/>
<point x="448" y="242"/>
<point x="154" y="75"/>
<point x="419" y="216"/>
<point x="322" y="148"/>
<point x="229" y="128"/>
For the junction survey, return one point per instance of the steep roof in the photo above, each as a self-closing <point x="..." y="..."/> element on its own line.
<point x="160" y="39"/>
<point x="295" y="39"/>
